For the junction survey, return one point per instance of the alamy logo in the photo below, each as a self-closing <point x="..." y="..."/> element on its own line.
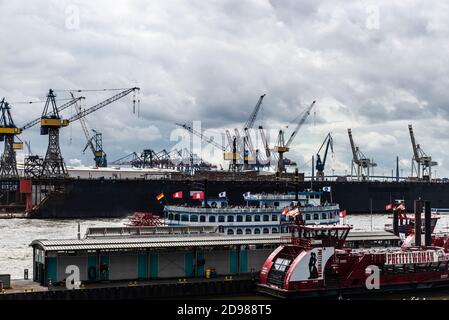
<point x="73" y="280"/>
<point x="373" y="277"/>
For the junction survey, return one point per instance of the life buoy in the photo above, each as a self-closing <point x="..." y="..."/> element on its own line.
<point x="92" y="273"/>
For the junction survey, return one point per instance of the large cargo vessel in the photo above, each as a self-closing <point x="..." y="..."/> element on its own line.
<point x="118" y="196"/>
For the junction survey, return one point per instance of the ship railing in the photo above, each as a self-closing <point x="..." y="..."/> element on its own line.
<point x="245" y="209"/>
<point x="221" y="210"/>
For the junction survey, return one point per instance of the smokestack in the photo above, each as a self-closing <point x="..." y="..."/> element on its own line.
<point x="205" y="193"/>
<point x="296" y="184"/>
<point x="396" y="223"/>
<point x="427" y="224"/>
<point x="397" y="169"/>
<point x="418" y="222"/>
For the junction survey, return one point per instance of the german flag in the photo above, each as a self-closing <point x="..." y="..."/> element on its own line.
<point x="160" y="196"/>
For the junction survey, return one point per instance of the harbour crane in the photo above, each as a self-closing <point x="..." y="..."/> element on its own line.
<point x="360" y="162"/>
<point x="321" y="162"/>
<point x="248" y="147"/>
<point x="282" y="146"/>
<point x="421" y="163"/>
<point x="94" y="142"/>
<point x="53" y="165"/>
<point x="8" y="131"/>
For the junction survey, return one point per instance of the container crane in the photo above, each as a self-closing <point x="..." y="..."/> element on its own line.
<point x="283" y="147"/>
<point x="321" y="162"/>
<point x="53" y="165"/>
<point x="360" y="162"/>
<point x="421" y="163"/>
<point x="8" y="131"/>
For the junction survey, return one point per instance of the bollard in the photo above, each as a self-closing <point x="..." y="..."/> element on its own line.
<point x="25" y="274"/>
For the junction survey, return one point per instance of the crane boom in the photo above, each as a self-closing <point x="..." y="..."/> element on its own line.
<point x="252" y="118"/>
<point x="353" y="148"/>
<point x="300" y="123"/>
<point x="103" y="104"/>
<point x="84" y="126"/>
<point x="414" y="146"/>
<point x="61" y="108"/>
<point x="202" y="136"/>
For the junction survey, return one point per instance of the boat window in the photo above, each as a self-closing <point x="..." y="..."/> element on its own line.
<point x="239" y="218"/>
<point x="193" y="218"/>
<point x="324" y="215"/>
<point x="239" y="231"/>
<point x="230" y="232"/>
<point x="230" y="218"/>
<point x="282" y="218"/>
<point x="202" y="219"/>
<point x="266" y="217"/>
<point x="248" y="231"/>
<point x="170" y="216"/>
<point x="177" y="217"/>
<point x="276" y="204"/>
<point x="184" y="217"/>
<point x="221" y="219"/>
<point x="266" y="230"/>
<point x="316" y="216"/>
<point x="248" y="218"/>
<point x="212" y="219"/>
<point x="257" y="218"/>
<point x="256" y="231"/>
<point x="281" y="264"/>
<point x="274" y="217"/>
<point x="307" y="216"/>
<point x="274" y="230"/>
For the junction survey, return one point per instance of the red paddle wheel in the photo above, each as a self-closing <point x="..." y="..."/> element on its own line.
<point x="144" y="219"/>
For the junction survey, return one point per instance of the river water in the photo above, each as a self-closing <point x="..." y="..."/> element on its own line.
<point x="17" y="234"/>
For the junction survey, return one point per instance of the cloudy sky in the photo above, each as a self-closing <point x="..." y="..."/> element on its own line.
<point x="373" y="66"/>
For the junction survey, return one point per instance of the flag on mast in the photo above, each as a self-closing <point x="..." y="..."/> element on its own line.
<point x="160" y="196"/>
<point x="198" y="195"/>
<point x="177" y="195"/>
<point x="343" y="213"/>
<point x="222" y="194"/>
<point x="327" y="189"/>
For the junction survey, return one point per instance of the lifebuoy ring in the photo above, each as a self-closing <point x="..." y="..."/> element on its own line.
<point x="92" y="273"/>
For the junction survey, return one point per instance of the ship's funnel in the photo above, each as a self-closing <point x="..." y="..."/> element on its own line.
<point x="427" y="224"/>
<point x="396" y="223"/>
<point x="418" y="222"/>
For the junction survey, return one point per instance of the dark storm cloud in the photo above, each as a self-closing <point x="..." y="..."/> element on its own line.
<point x="211" y="60"/>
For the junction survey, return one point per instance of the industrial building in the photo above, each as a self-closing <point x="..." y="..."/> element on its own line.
<point x="146" y="253"/>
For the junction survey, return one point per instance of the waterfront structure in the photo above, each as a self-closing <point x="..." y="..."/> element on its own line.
<point x="149" y="253"/>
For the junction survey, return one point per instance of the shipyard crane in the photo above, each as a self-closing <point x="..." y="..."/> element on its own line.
<point x="321" y="161"/>
<point x="282" y="146"/>
<point x="421" y="163"/>
<point x="209" y="140"/>
<point x="60" y="108"/>
<point x="360" y="163"/>
<point x="8" y="132"/>
<point x="53" y="165"/>
<point x="94" y="142"/>
<point x="248" y="147"/>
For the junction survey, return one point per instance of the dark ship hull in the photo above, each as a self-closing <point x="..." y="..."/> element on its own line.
<point x="119" y="198"/>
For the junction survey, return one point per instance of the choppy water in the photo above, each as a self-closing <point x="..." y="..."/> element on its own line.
<point x="17" y="234"/>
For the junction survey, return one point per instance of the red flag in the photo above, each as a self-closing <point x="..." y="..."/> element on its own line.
<point x="389" y="207"/>
<point x="198" y="196"/>
<point x="284" y="211"/>
<point x="293" y="213"/>
<point x="177" y="195"/>
<point x="343" y="213"/>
